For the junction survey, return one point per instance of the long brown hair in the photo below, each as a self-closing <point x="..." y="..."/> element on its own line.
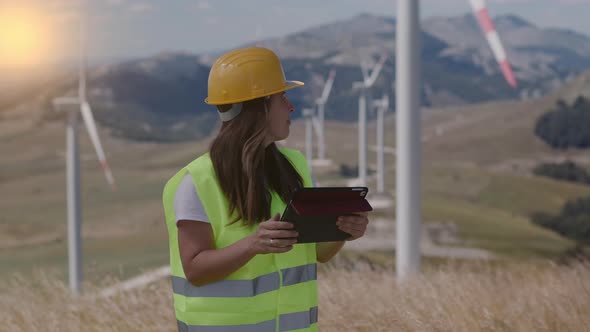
<point x="247" y="170"/>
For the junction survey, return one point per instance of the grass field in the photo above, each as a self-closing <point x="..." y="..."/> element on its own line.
<point x="457" y="296"/>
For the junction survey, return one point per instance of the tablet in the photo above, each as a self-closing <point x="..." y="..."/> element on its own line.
<point x="314" y="211"/>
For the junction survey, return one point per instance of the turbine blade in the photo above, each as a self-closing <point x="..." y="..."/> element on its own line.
<point x="377" y="70"/>
<point x="365" y="70"/>
<point x="384" y="102"/>
<point x="316" y="125"/>
<point x="487" y="25"/>
<point x="328" y="87"/>
<point x="93" y="132"/>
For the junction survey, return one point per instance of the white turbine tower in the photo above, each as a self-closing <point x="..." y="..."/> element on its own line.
<point x="75" y="105"/>
<point x="308" y="116"/>
<point x="408" y="126"/>
<point x="382" y="106"/>
<point x="319" y="125"/>
<point x="364" y="86"/>
<point x="408" y="139"/>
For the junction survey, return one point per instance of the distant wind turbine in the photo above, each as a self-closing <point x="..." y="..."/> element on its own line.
<point x="364" y="86"/>
<point x="308" y="116"/>
<point x="319" y="121"/>
<point x="75" y="104"/>
<point x="382" y="106"/>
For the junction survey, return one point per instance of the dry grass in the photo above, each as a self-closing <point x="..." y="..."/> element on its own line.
<point x="44" y="304"/>
<point x="455" y="298"/>
<point x="480" y="297"/>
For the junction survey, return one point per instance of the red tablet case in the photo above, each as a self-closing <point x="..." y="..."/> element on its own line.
<point x="314" y="211"/>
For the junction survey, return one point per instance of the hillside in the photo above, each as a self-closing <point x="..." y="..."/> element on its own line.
<point x="476" y="176"/>
<point x="580" y="86"/>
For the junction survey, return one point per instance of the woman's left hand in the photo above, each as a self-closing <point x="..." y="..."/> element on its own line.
<point x="354" y="225"/>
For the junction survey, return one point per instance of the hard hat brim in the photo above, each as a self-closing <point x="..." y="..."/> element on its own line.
<point x="288" y="86"/>
<point x="292" y="85"/>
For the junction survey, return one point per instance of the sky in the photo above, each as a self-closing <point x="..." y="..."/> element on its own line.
<point x="142" y="28"/>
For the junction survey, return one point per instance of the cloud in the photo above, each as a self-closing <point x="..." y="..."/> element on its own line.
<point x="511" y="1"/>
<point x="67" y="16"/>
<point x="141" y="7"/>
<point x="278" y="11"/>
<point x="60" y="4"/>
<point x="115" y="2"/>
<point x="212" y="20"/>
<point x="573" y="2"/>
<point x="562" y="2"/>
<point x="202" y="5"/>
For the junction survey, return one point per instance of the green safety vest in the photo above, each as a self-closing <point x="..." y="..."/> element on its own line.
<point x="272" y="292"/>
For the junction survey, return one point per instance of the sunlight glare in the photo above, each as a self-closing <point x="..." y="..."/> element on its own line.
<point x="25" y="37"/>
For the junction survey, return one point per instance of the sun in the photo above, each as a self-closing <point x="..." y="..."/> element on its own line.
<point x="25" y="37"/>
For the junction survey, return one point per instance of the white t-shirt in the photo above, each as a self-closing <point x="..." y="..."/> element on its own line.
<point x="187" y="204"/>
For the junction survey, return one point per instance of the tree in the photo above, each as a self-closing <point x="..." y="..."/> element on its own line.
<point x="573" y="221"/>
<point x="567" y="171"/>
<point x="566" y="126"/>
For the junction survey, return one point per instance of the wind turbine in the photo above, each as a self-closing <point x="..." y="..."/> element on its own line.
<point x="308" y="115"/>
<point x="380" y="199"/>
<point x="319" y="121"/>
<point x="364" y="86"/>
<point x="408" y="198"/>
<point x="74" y="197"/>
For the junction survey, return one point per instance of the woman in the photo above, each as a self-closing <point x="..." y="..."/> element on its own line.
<point x="235" y="267"/>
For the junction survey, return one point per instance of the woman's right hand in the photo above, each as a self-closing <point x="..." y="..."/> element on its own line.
<point x="273" y="237"/>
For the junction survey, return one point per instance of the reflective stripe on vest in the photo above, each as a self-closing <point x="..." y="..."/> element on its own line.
<point x="273" y="292"/>
<point x="298" y="320"/>
<point x="243" y="288"/>
<point x="287" y="322"/>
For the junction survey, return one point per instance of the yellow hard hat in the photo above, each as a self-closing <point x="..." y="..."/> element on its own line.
<point x="246" y="74"/>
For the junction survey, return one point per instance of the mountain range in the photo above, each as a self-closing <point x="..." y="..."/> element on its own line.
<point x="160" y="98"/>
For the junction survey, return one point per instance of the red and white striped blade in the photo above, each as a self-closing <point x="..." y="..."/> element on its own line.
<point x="93" y="132"/>
<point x="487" y="25"/>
